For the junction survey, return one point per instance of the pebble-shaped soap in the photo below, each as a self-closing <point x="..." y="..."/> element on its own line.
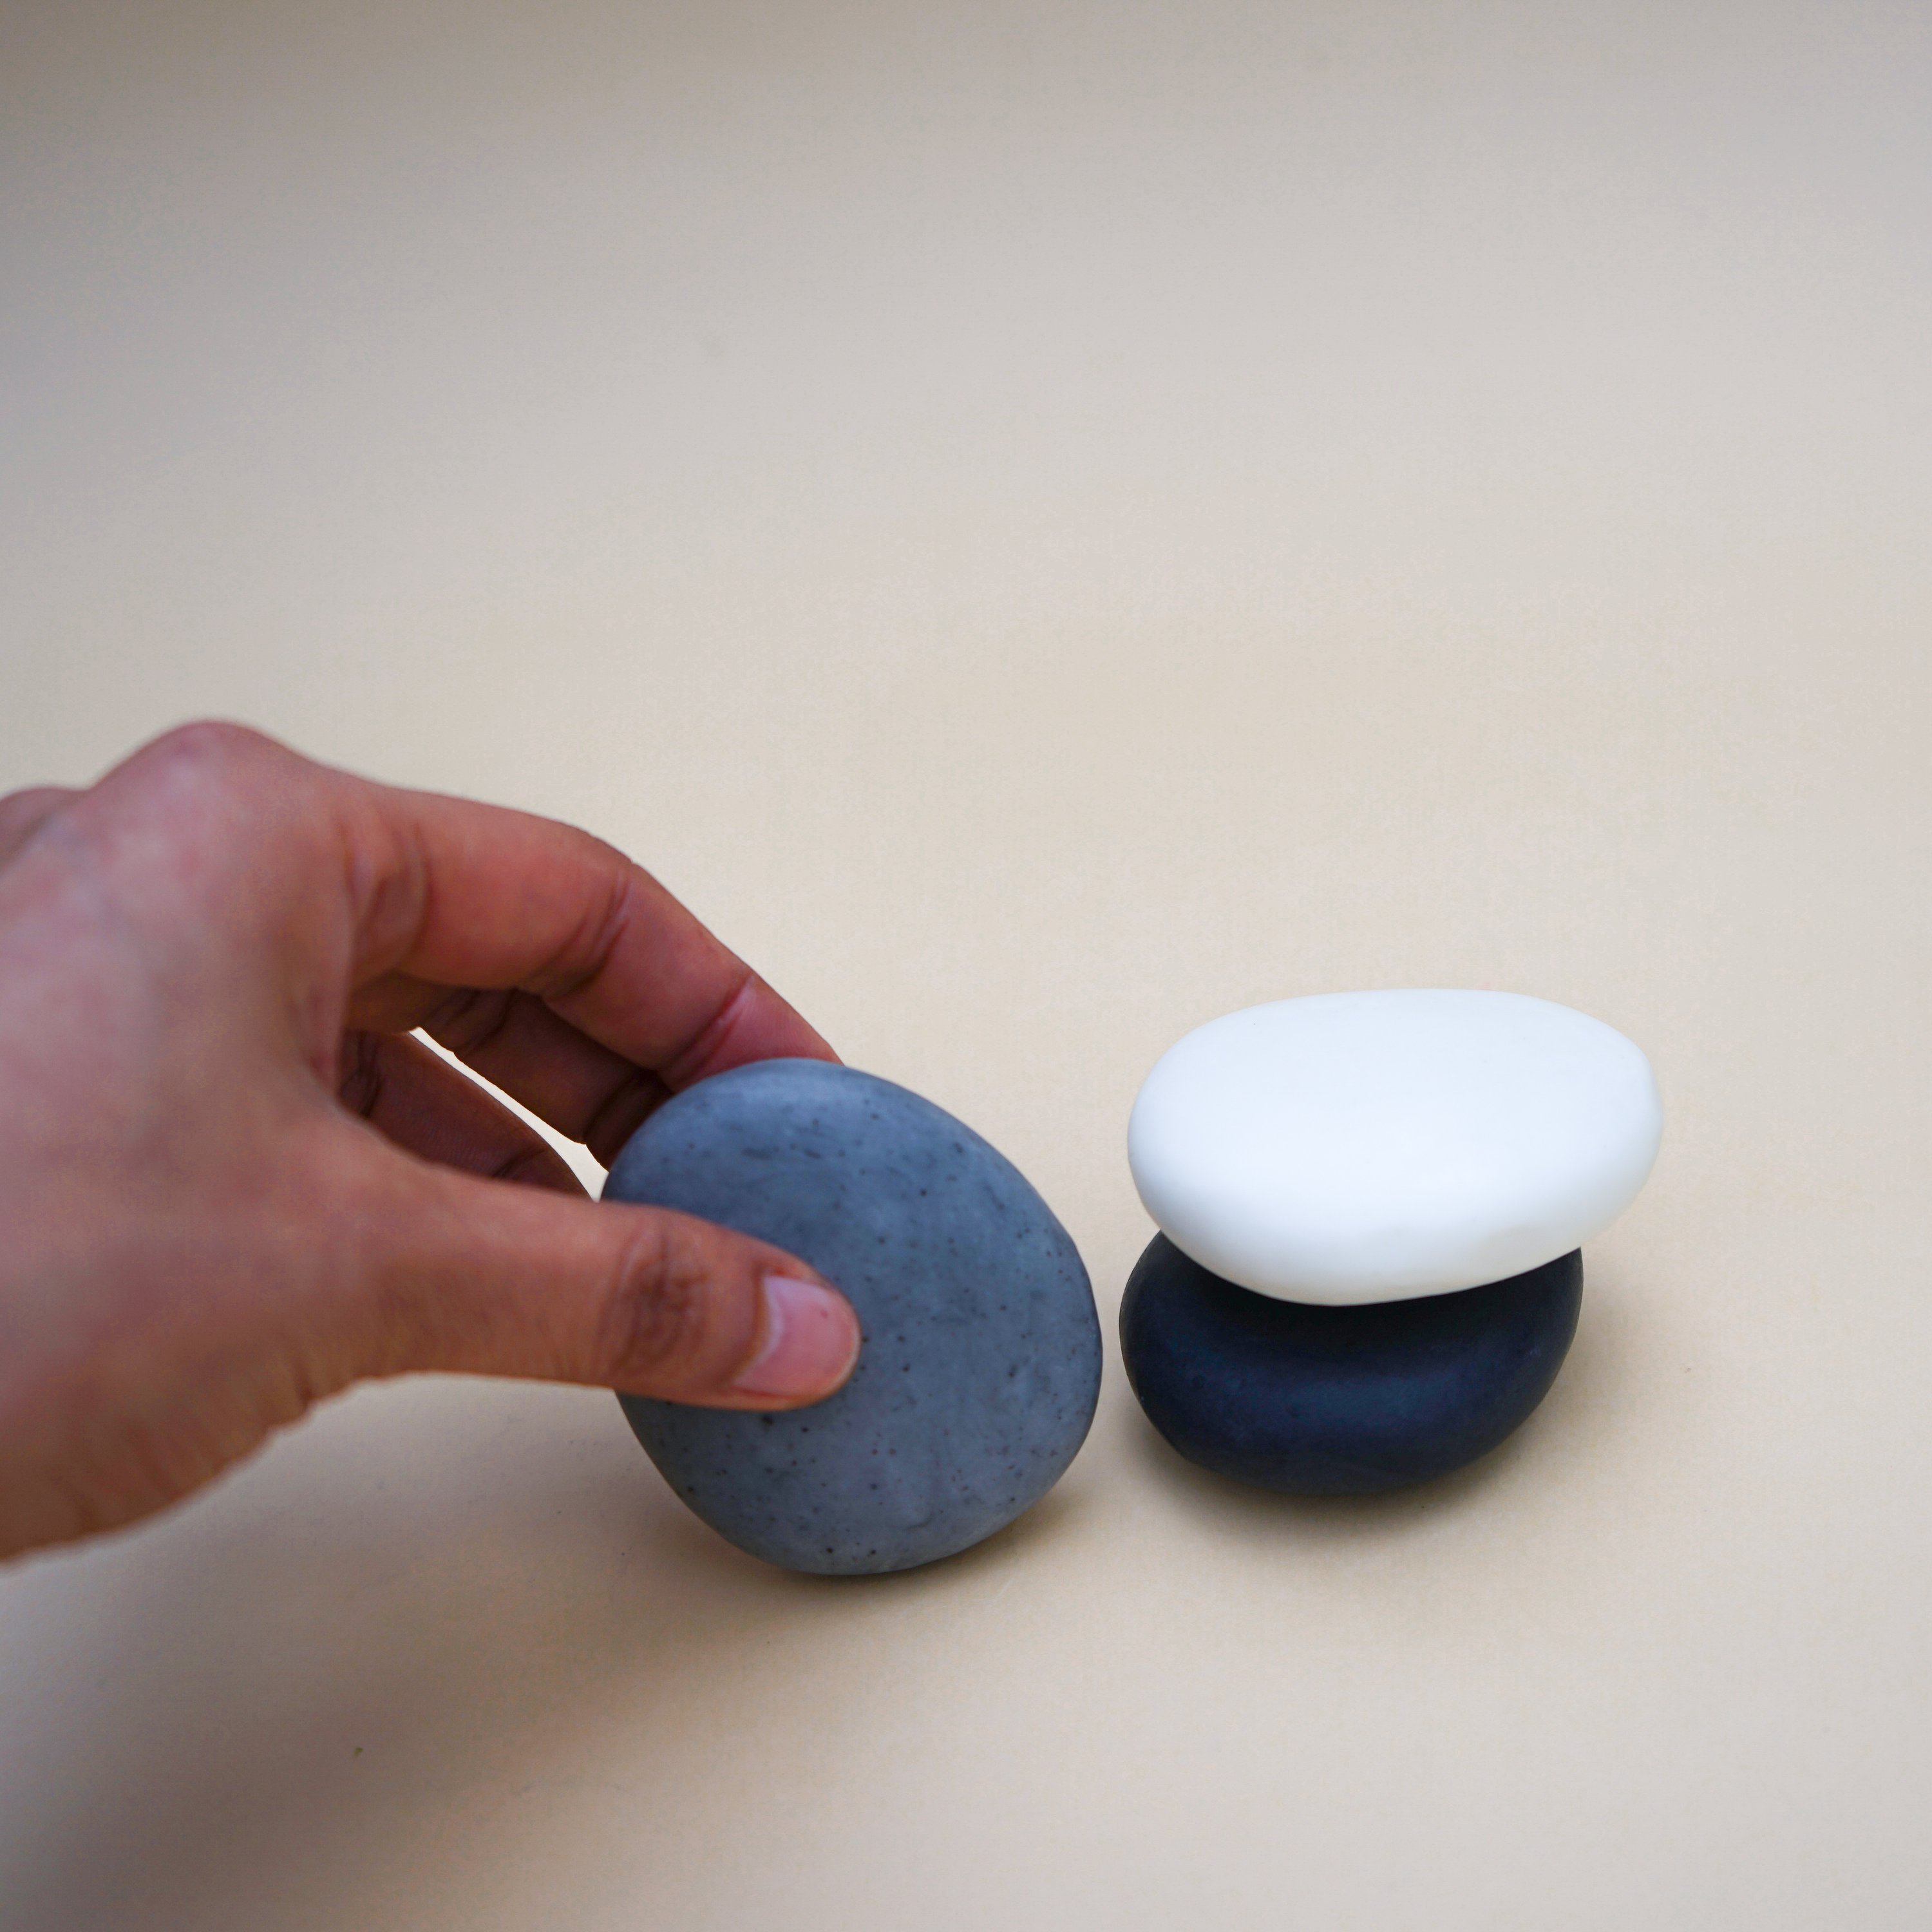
<point x="1364" y="1146"/>
<point x="1370" y="1206"/>
<point x="981" y="1362"/>
<point x="1323" y="1401"/>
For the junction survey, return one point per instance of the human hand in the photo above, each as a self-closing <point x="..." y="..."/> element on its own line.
<point x="231" y="1184"/>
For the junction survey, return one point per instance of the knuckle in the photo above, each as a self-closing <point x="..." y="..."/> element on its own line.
<point x="621" y="1111"/>
<point x="698" y="1057"/>
<point x="659" y="1304"/>
<point x="532" y="1162"/>
<point x="216" y="787"/>
<point x="470" y="1020"/>
<point x="208" y="767"/>
<point x="212" y="744"/>
<point x="587" y="951"/>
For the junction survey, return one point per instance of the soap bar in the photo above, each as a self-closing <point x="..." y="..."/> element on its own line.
<point x="1349" y="1147"/>
<point x="981" y="1362"/>
<point x="1316" y="1400"/>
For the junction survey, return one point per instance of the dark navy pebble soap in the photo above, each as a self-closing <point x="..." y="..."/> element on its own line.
<point x="1323" y="1400"/>
<point x="981" y="1364"/>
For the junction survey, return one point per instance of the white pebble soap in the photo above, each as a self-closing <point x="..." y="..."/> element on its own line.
<point x="1352" y="1148"/>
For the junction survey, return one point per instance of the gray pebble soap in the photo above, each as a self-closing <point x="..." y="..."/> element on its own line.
<point x="981" y="1363"/>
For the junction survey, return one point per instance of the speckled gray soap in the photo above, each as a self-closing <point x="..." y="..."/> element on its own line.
<point x="981" y="1359"/>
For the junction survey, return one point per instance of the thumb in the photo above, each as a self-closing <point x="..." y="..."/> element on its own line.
<point x="457" y="1273"/>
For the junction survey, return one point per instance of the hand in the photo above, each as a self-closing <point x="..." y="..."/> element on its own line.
<point x="231" y="1184"/>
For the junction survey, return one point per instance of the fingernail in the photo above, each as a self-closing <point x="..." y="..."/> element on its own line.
<point x="811" y="1340"/>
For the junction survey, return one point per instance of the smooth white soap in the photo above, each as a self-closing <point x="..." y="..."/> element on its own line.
<point x="1374" y="1146"/>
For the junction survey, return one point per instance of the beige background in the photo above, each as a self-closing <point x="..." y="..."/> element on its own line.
<point x="1046" y="523"/>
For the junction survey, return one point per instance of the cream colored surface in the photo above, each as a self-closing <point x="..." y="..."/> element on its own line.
<point x="1046" y="522"/>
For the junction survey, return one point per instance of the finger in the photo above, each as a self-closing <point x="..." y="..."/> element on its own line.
<point x="563" y="1076"/>
<point x="438" y="889"/>
<point x="472" y="895"/>
<point x="422" y="1103"/>
<point x="518" y="1043"/>
<point x="23" y="813"/>
<point x="467" y="1275"/>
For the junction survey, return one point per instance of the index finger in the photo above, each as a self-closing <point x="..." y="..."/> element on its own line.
<point x="469" y="894"/>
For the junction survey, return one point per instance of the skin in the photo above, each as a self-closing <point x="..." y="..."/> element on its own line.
<point x="231" y="1182"/>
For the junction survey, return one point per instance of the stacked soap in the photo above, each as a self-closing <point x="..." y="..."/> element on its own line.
<point x="1370" y="1208"/>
